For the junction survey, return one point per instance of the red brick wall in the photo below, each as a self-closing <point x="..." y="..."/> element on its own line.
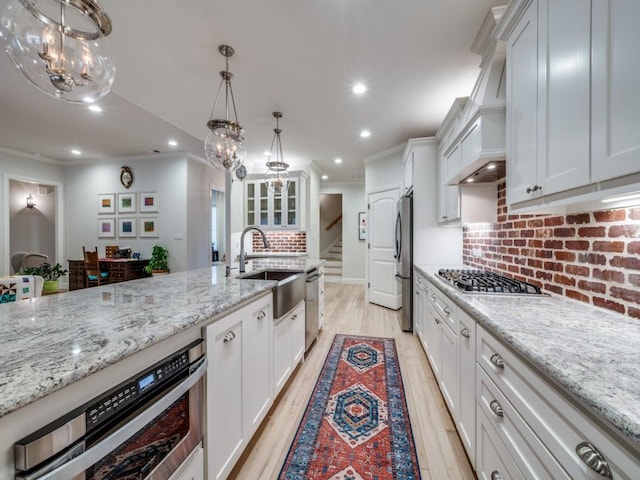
<point x="592" y="257"/>
<point x="281" y="241"/>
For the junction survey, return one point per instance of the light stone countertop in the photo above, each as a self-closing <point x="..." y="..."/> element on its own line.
<point x="50" y="342"/>
<point x="592" y="353"/>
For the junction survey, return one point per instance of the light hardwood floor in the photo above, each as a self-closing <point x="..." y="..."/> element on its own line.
<point x="440" y="453"/>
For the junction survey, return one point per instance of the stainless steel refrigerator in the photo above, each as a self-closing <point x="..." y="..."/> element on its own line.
<point x="404" y="258"/>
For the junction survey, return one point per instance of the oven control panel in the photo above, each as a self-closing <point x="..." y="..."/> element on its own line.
<point x="128" y="392"/>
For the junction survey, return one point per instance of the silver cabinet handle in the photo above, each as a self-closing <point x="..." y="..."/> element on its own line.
<point x="229" y="336"/>
<point x="261" y="314"/>
<point x="433" y="297"/>
<point x="496" y="408"/>
<point x="535" y="188"/>
<point x="496" y="359"/>
<point x="447" y="311"/>
<point x="530" y="190"/>
<point x="495" y="475"/>
<point x="294" y="316"/>
<point x="593" y="459"/>
<point x="465" y="332"/>
<point x="437" y="320"/>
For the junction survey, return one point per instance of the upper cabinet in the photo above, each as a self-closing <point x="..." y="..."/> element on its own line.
<point x="571" y="100"/>
<point x="407" y="163"/>
<point x="270" y="211"/>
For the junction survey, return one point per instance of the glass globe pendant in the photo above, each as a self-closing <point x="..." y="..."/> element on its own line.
<point x="224" y="146"/>
<point x="277" y="176"/>
<point x="60" y="47"/>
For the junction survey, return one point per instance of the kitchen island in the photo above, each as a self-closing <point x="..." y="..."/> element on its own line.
<point x="59" y="351"/>
<point x="589" y="355"/>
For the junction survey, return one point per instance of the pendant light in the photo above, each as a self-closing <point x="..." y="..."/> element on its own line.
<point x="60" y="47"/>
<point x="277" y="177"/>
<point x="224" y="146"/>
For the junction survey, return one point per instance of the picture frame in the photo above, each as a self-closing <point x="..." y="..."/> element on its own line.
<point x="106" y="203"/>
<point x="148" y="202"/>
<point x="127" y="202"/>
<point x="127" y="227"/>
<point x="107" y="227"/>
<point x="148" y="226"/>
<point x="362" y="225"/>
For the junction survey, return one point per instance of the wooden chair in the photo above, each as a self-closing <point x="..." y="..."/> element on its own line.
<point x="93" y="275"/>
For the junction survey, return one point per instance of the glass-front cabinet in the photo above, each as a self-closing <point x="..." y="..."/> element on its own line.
<point x="268" y="210"/>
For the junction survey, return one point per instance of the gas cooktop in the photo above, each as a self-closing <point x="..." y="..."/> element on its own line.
<point x="481" y="281"/>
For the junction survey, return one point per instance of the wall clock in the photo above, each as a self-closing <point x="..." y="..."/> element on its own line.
<point x="126" y="177"/>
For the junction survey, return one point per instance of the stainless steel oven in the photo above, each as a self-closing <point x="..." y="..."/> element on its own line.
<point x="143" y="428"/>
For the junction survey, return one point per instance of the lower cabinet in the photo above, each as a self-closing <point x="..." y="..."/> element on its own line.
<point x="288" y="345"/>
<point x="192" y="468"/>
<point x="239" y="387"/>
<point x="466" y="414"/>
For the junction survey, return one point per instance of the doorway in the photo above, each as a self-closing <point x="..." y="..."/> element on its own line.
<point x="218" y="242"/>
<point x="331" y="235"/>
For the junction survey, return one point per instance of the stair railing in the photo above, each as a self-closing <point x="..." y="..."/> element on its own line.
<point x="333" y="224"/>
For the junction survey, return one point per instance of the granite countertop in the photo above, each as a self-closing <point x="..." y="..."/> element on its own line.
<point x="47" y="343"/>
<point x="592" y="353"/>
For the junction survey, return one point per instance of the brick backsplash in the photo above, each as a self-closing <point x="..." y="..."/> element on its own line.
<point x="591" y="257"/>
<point x="279" y="242"/>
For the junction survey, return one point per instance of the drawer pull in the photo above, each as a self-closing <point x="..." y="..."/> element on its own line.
<point x="437" y="320"/>
<point x="496" y="408"/>
<point x="447" y="311"/>
<point x="495" y="475"/>
<point x="294" y="316"/>
<point x="433" y="297"/>
<point x="496" y="359"/>
<point x="229" y="336"/>
<point x="465" y="332"/>
<point x="261" y="314"/>
<point x="593" y="459"/>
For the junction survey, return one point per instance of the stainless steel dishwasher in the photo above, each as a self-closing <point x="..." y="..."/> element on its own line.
<point x="312" y="320"/>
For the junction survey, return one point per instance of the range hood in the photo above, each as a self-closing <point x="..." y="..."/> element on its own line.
<point x="481" y="126"/>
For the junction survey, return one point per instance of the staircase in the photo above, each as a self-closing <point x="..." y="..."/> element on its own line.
<point x="333" y="267"/>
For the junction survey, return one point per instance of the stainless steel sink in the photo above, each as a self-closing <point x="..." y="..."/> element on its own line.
<point x="289" y="291"/>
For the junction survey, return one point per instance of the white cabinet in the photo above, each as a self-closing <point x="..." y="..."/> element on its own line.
<point x="239" y="390"/>
<point x="420" y="292"/>
<point x="192" y="468"/>
<point x="572" y="103"/>
<point x="615" y="102"/>
<point x="449" y="195"/>
<point x="268" y="210"/>
<point x="407" y="182"/>
<point x="320" y="298"/>
<point x="434" y="340"/>
<point x="288" y="345"/>
<point x="466" y="351"/>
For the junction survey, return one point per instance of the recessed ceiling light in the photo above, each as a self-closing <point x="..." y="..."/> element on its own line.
<point x="365" y="133"/>
<point x="338" y="160"/>
<point x="469" y="180"/>
<point x="359" y="88"/>
<point x="173" y="143"/>
<point x="324" y="177"/>
<point x="75" y="151"/>
<point x="491" y="166"/>
<point x="95" y="108"/>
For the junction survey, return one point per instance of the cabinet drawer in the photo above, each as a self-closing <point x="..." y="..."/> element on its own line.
<point x="444" y="306"/>
<point x="556" y="421"/>
<point x="531" y="456"/>
<point x="493" y="462"/>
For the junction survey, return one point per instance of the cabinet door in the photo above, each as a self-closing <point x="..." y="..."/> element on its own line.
<point x="256" y="369"/>
<point x="466" y="421"/>
<point x="522" y="106"/>
<point x="282" y="353"/>
<point x="297" y="319"/>
<point x="292" y="208"/>
<point x="449" y="369"/>
<point x="615" y="98"/>
<point x="564" y="61"/>
<point x="192" y="468"/>
<point x="224" y="395"/>
<point x="434" y="341"/>
<point x="449" y="209"/>
<point x="493" y="459"/>
<point x="417" y="308"/>
<point x="408" y="172"/>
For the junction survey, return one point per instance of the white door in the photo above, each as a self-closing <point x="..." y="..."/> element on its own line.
<point x="384" y="289"/>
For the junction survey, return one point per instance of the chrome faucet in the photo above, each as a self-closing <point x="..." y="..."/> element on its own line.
<point x="265" y="242"/>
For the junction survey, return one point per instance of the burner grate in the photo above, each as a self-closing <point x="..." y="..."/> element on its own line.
<point x="487" y="282"/>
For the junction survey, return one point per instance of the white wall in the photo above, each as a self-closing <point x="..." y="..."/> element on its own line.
<point x="16" y="165"/>
<point x="165" y="174"/>
<point x="354" y="251"/>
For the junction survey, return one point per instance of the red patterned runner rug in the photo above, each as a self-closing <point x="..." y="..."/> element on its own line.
<point x="356" y="425"/>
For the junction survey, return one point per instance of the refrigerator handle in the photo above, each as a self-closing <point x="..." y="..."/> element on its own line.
<point x="398" y="235"/>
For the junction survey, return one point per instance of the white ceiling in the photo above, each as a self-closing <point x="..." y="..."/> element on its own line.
<point x="299" y="57"/>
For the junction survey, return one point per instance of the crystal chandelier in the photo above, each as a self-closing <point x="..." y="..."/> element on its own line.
<point x="60" y="46"/>
<point x="224" y="146"/>
<point x="277" y="177"/>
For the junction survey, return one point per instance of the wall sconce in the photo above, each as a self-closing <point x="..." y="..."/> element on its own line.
<point x="30" y="203"/>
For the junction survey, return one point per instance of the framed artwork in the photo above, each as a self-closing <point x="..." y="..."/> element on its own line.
<point x="106" y="228"/>
<point x="127" y="227"/>
<point x="148" y="202"/>
<point x="126" y="203"/>
<point x="107" y="203"/>
<point x="148" y="226"/>
<point x="362" y="225"/>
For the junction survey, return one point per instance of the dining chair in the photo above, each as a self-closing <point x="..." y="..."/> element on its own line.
<point x="93" y="275"/>
<point x="32" y="260"/>
<point x="16" y="261"/>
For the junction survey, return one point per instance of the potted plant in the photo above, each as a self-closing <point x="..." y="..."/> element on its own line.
<point x="158" y="264"/>
<point x="50" y="273"/>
